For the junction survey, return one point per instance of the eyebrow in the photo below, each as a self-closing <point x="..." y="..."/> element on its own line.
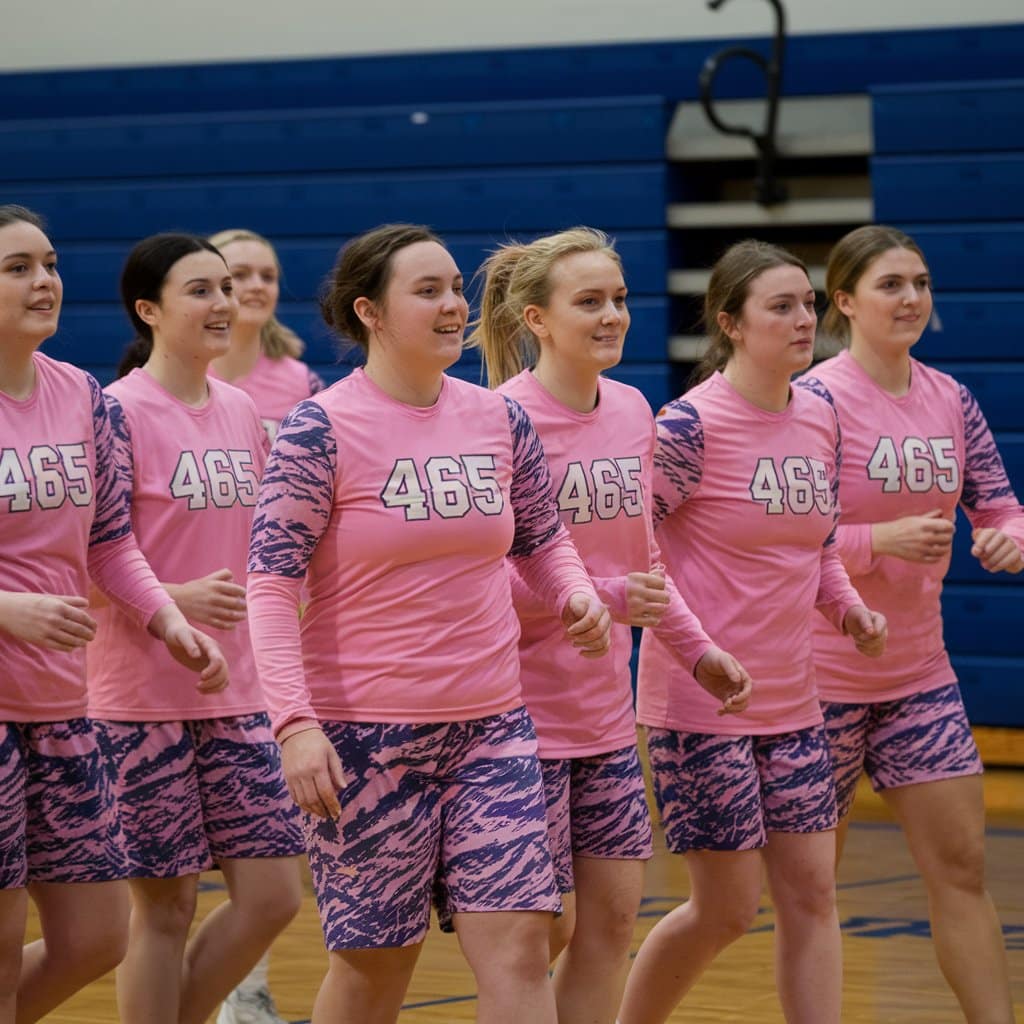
<point x="434" y="277"/>
<point x="617" y="288"/>
<point x="790" y="295"/>
<point x="27" y="255"/>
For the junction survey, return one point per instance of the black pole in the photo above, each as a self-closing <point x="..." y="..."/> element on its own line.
<point x="769" y="189"/>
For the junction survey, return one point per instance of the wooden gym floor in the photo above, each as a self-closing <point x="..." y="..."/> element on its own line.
<point x="891" y="976"/>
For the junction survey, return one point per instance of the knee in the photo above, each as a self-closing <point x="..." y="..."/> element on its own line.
<point x="168" y="910"/>
<point x="724" y="918"/>
<point x="522" y="958"/>
<point x="272" y="906"/>
<point x="814" y="896"/>
<point x="87" y="952"/>
<point x="611" y="927"/>
<point x="959" y="865"/>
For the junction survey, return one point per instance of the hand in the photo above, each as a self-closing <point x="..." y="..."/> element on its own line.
<point x="56" y="622"/>
<point x="868" y="629"/>
<point x="588" y="624"/>
<point x="926" y="538"/>
<point x="646" y="597"/>
<point x="996" y="551"/>
<point x="191" y="648"/>
<point x="313" y="772"/>
<point x="725" y="679"/>
<point x="212" y="600"/>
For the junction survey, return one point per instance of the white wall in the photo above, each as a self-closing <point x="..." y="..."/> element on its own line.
<point x="91" y="33"/>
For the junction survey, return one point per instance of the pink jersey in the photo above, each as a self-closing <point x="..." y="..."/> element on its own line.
<point x="930" y="448"/>
<point x="64" y="515"/>
<point x="403" y="517"/>
<point x="277" y="386"/>
<point x="745" y="508"/>
<point x="601" y="464"/>
<point x="195" y="475"/>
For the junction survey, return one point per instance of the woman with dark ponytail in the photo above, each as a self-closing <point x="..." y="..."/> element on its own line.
<point x="745" y="482"/>
<point x="198" y="776"/>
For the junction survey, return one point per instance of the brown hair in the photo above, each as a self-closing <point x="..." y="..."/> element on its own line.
<point x="518" y="275"/>
<point x="276" y="340"/>
<point x="11" y="213"/>
<point x="849" y="259"/>
<point x="363" y="270"/>
<point x="731" y="277"/>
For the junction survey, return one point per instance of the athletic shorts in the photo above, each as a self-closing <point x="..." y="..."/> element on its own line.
<point x="921" y="738"/>
<point x="58" y="815"/>
<point x="197" y="792"/>
<point x="728" y="792"/>
<point x="596" y="807"/>
<point x="453" y="811"/>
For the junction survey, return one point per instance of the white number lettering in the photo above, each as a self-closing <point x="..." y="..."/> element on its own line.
<point x="917" y="465"/>
<point x="574" y="494"/>
<point x="884" y="465"/>
<point x="187" y="481"/>
<point x="245" y="476"/>
<point x="632" y="485"/>
<point x="13" y="482"/>
<point x="947" y="469"/>
<point x="404" y="490"/>
<point x="799" y="488"/>
<point x="486" y="489"/>
<point x="764" y="487"/>
<point x="449" y="494"/>
<point x="45" y="465"/>
<point x="76" y="470"/>
<point x="223" y="487"/>
<point x="607" y="488"/>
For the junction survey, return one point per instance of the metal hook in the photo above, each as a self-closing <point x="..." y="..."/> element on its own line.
<point x="769" y="189"/>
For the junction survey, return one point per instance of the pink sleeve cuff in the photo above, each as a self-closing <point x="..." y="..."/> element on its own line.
<point x="294" y="727"/>
<point x="612" y="592"/>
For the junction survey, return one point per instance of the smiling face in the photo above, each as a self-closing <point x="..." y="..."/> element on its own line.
<point x="196" y="309"/>
<point x="30" y="287"/>
<point x="583" y="325"/>
<point x="891" y="303"/>
<point x="256" y="280"/>
<point x="422" y="317"/>
<point x="775" y="329"/>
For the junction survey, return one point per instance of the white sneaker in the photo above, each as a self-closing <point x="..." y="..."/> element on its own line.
<point x="249" y="1008"/>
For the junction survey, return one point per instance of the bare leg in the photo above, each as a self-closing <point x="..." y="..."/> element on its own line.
<point x="591" y="974"/>
<point x="13" y="912"/>
<point x="808" y="947"/>
<point x="725" y="887"/>
<point x="508" y="954"/>
<point x="365" y="986"/>
<point x="265" y="894"/>
<point x="85" y="934"/>
<point x="563" y="926"/>
<point x="965" y="927"/>
<point x="150" y="978"/>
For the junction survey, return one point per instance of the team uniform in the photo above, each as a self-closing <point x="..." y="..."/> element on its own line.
<point x="276" y="386"/>
<point x="601" y="466"/>
<point x="198" y="775"/>
<point x="65" y="520"/>
<point x="745" y="510"/>
<point x="399" y="519"/>
<point x="904" y="721"/>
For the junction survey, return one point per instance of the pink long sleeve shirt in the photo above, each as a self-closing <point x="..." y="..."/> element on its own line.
<point x="63" y="519"/>
<point x="194" y="476"/>
<point x="928" y="449"/>
<point x="276" y="386"/>
<point x="745" y="510"/>
<point x="601" y="465"/>
<point x="400" y="518"/>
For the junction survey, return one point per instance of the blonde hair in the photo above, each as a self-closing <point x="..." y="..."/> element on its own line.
<point x="517" y="275"/>
<point x="731" y="277"/>
<point x="276" y="340"/>
<point x="847" y="262"/>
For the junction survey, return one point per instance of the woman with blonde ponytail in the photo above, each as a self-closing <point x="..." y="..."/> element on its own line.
<point x="558" y="306"/>
<point x="264" y="356"/>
